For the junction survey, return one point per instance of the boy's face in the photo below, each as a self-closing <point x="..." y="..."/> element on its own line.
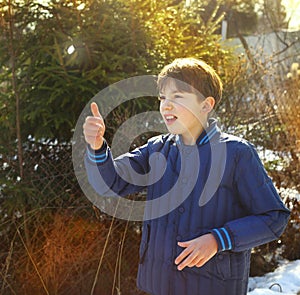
<point x="182" y="113"/>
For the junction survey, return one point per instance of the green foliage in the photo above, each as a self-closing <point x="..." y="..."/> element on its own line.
<point x="55" y="84"/>
<point x="67" y="51"/>
<point x="183" y="32"/>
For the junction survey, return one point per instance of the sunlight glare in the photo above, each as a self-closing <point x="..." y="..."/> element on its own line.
<point x="71" y="49"/>
<point x="292" y="13"/>
<point x="81" y="6"/>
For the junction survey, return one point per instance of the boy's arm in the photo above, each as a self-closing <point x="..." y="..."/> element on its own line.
<point x="117" y="177"/>
<point x="268" y="216"/>
<point x="122" y="176"/>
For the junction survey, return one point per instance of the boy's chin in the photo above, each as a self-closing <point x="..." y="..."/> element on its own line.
<point x="173" y="132"/>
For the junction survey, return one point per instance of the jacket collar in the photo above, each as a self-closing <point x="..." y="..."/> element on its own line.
<point x="209" y="132"/>
<point x="207" y="135"/>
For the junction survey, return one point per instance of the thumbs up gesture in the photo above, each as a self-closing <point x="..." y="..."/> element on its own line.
<point x="94" y="128"/>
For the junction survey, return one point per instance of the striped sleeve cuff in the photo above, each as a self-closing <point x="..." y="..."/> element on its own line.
<point x="97" y="156"/>
<point x="223" y="238"/>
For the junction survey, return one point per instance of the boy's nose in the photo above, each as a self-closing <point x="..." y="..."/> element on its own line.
<point x="167" y="104"/>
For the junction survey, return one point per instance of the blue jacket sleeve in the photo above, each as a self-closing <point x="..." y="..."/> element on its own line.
<point x="124" y="175"/>
<point x="267" y="215"/>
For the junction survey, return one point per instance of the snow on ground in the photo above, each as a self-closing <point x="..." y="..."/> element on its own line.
<point x="285" y="280"/>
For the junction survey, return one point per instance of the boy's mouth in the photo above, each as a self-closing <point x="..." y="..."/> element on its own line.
<point x="170" y="119"/>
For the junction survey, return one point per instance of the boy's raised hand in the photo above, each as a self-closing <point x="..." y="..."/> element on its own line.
<point x="94" y="128"/>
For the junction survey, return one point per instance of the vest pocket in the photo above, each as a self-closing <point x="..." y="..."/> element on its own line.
<point x="232" y="265"/>
<point x="223" y="264"/>
<point x="218" y="267"/>
<point x="144" y="242"/>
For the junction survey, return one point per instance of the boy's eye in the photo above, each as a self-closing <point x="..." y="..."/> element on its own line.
<point x="175" y="96"/>
<point x="178" y="96"/>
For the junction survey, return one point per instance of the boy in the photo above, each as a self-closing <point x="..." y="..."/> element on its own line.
<point x="202" y="245"/>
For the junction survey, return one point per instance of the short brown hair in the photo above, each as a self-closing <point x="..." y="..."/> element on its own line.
<point x="196" y="74"/>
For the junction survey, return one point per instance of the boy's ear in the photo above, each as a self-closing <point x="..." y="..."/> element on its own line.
<point x="208" y="104"/>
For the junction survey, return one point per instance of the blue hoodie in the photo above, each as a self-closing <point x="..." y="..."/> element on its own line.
<point x="217" y="186"/>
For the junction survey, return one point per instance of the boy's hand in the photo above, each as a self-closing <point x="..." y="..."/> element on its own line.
<point x="94" y="128"/>
<point x="197" y="251"/>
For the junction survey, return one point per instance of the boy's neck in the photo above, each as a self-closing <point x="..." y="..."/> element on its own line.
<point x="190" y="138"/>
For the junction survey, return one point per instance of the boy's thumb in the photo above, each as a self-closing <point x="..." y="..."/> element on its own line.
<point x="95" y="110"/>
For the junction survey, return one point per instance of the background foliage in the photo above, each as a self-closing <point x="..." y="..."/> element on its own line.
<point x="54" y="57"/>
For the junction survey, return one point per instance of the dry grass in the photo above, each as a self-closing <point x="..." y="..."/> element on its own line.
<point x="71" y="255"/>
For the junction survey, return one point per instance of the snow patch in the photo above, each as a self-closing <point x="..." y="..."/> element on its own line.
<point x="284" y="280"/>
